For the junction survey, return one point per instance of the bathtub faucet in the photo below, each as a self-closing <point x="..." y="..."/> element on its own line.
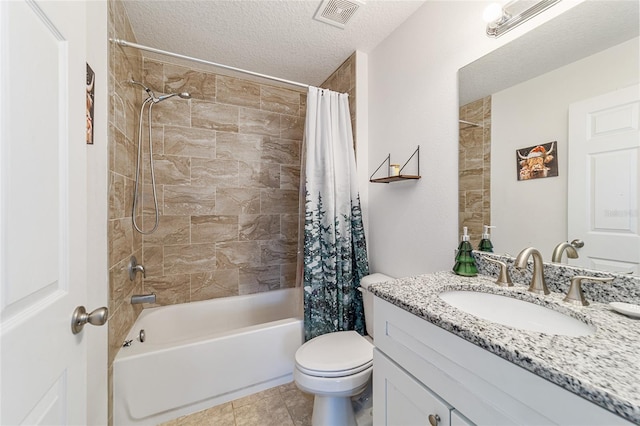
<point x="143" y="298"/>
<point x="134" y="267"/>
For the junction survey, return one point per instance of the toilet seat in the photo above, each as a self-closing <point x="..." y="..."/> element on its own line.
<point x="341" y="373"/>
<point x="345" y="386"/>
<point x="338" y="354"/>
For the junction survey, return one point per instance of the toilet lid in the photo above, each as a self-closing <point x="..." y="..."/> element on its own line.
<point x="335" y="354"/>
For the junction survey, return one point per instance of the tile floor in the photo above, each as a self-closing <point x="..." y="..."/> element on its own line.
<point x="284" y="405"/>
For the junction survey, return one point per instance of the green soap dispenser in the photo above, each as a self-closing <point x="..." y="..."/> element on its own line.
<point x="465" y="263"/>
<point x="485" y="242"/>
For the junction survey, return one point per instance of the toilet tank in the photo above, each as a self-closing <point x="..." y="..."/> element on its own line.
<point x="367" y="297"/>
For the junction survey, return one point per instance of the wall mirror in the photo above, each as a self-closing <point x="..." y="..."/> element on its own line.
<point x="520" y="96"/>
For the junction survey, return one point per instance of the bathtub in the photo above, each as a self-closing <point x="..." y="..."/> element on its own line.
<point x="201" y="354"/>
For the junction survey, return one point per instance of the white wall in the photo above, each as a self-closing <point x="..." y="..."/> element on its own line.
<point x="413" y="100"/>
<point x="534" y="213"/>
<point x="97" y="270"/>
<point x="362" y="134"/>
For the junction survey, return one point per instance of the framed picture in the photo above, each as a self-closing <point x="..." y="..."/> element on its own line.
<point x="91" y="79"/>
<point x="538" y="161"/>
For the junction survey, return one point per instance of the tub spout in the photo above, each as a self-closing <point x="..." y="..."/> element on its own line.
<point x="143" y="298"/>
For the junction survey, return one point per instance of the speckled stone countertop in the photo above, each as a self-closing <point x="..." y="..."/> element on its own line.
<point x="603" y="368"/>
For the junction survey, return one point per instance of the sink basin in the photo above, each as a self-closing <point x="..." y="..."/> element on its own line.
<point x="516" y="313"/>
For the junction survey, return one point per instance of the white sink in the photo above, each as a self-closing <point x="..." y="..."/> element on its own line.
<point x="516" y="313"/>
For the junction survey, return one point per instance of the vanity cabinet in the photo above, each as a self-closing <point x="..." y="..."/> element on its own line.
<point x="421" y="370"/>
<point x="403" y="400"/>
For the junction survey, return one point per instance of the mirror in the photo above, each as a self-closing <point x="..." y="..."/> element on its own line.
<point x="518" y="96"/>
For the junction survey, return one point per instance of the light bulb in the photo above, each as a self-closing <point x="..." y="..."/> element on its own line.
<point x="492" y="13"/>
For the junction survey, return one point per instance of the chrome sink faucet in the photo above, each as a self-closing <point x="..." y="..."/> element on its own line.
<point x="538" y="284"/>
<point x="572" y="253"/>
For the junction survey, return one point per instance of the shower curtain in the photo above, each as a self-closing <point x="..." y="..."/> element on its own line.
<point x="334" y="250"/>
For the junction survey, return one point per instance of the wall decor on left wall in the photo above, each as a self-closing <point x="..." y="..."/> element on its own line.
<point x="91" y="79"/>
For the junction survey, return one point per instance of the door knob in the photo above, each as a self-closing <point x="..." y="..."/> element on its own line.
<point x="80" y="317"/>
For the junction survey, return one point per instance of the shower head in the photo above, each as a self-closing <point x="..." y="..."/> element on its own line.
<point x="146" y="89"/>
<point x="183" y="95"/>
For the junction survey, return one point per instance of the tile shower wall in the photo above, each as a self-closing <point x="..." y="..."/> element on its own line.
<point x="228" y="175"/>
<point x="227" y="168"/>
<point x="343" y="80"/>
<point x="474" y="168"/>
<point x="123" y="242"/>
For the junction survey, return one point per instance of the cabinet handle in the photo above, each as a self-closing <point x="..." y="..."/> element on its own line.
<point x="434" y="419"/>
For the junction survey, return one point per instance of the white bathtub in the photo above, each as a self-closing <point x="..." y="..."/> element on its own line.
<point x="198" y="355"/>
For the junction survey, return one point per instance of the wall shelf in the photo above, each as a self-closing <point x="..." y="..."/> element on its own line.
<point x="400" y="176"/>
<point x="390" y="179"/>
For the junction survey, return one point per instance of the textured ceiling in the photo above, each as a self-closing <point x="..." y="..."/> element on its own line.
<point x="274" y="37"/>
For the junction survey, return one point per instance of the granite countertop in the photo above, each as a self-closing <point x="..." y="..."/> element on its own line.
<point x="603" y="368"/>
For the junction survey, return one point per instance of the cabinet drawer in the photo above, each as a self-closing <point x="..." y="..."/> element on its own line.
<point x="401" y="400"/>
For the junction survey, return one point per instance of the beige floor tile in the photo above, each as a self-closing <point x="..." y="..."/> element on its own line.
<point x="287" y="387"/>
<point x="221" y="415"/>
<point x="270" y="411"/>
<point x="253" y="398"/>
<point x="285" y="405"/>
<point x="299" y="404"/>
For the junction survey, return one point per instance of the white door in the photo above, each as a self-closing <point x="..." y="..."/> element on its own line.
<point x="604" y="153"/>
<point x="42" y="211"/>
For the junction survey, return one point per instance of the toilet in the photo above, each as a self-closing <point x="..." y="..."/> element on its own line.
<point x="336" y="366"/>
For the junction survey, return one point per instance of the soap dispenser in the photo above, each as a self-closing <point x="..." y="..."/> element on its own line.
<point x="485" y="242"/>
<point x="465" y="263"/>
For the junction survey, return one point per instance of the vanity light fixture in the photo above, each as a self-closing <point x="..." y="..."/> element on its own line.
<point x="501" y="19"/>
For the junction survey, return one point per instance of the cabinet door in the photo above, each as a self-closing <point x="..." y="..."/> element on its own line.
<point x="458" y="419"/>
<point x="400" y="400"/>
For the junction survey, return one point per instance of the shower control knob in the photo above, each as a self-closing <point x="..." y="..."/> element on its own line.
<point x="80" y="317"/>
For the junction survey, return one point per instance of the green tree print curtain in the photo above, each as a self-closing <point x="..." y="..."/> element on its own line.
<point x="334" y="249"/>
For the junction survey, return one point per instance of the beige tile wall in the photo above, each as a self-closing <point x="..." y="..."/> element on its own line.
<point x="227" y="168"/>
<point x="474" y="168"/>
<point x="123" y="242"/>
<point x="343" y="80"/>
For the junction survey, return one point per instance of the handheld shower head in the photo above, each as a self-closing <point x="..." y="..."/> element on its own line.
<point x="183" y="95"/>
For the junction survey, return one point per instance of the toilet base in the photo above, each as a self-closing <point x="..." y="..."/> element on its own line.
<point x="332" y="410"/>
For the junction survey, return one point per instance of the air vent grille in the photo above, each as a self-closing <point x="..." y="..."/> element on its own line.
<point x="337" y="12"/>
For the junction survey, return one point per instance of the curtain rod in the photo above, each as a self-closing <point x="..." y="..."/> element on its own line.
<point x="202" y="61"/>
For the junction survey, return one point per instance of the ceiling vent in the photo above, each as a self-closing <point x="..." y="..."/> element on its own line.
<point x="337" y="12"/>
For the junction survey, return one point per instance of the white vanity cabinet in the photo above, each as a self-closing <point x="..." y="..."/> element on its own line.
<point x="422" y="370"/>
<point x="402" y="400"/>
